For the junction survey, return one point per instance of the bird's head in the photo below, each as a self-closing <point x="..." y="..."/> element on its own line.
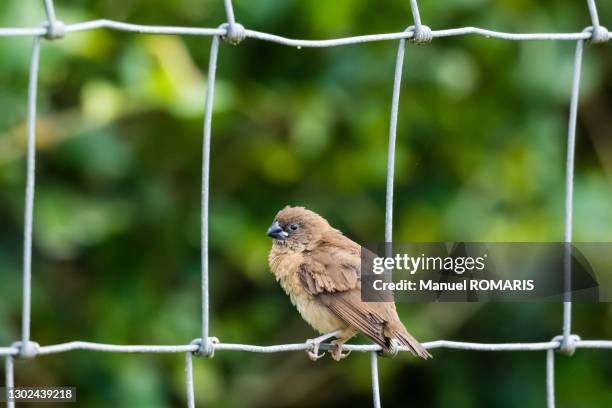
<point x="297" y="227"/>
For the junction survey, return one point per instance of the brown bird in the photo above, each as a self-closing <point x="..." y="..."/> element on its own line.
<point x="319" y="268"/>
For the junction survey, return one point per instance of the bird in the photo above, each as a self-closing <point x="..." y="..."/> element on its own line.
<point x="319" y="269"/>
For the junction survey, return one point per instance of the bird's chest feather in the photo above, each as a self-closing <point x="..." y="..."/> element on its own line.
<point x="285" y="268"/>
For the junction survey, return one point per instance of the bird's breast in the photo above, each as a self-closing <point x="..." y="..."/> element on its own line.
<point x="286" y="268"/>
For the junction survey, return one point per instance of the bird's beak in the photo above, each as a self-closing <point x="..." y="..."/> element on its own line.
<point x="275" y="231"/>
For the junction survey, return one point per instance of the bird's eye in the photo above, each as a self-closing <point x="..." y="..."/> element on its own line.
<point x="293" y="227"/>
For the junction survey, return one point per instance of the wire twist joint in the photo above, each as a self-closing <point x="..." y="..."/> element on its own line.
<point x="55" y="30"/>
<point x="28" y="350"/>
<point x="234" y="33"/>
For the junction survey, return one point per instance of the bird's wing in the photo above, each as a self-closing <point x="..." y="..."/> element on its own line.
<point x="332" y="275"/>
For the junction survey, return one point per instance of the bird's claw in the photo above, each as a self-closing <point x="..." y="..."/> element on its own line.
<point x="313" y="350"/>
<point x="337" y="353"/>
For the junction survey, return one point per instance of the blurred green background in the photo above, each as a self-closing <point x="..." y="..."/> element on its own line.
<point x="480" y="157"/>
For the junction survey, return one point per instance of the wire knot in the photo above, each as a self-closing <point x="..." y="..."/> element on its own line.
<point x="234" y="33"/>
<point x="55" y="30"/>
<point x="567" y="345"/>
<point x="29" y="350"/>
<point x="421" y="34"/>
<point x="599" y="34"/>
<point x="206" y="350"/>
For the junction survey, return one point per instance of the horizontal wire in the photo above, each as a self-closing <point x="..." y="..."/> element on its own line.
<point x="173" y="30"/>
<point x="183" y="348"/>
<point x="594" y="344"/>
<point x="84" y="345"/>
<point x="143" y="29"/>
<point x="8" y="351"/>
<point x="22" y="32"/>
<point x="409" y="34"/>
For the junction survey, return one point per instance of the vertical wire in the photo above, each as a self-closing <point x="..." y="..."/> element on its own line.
<point x="569" y="190"/>
<point x="416" y="16"/>
<point x="189" y="379"/>
<point x="9" y="370"/>
<point x="29" y="193"/>
<point x="50" y="10"/>
<point x="397" y="81"/>
<point x="210" y="91"/>
<point x="229" y="12"/>
<point x="375" y="384"/>
<point x="550" y="379"/>
<point x="593" y="13"/>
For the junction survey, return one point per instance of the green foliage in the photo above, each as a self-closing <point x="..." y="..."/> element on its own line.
<point x="480" y="157"/>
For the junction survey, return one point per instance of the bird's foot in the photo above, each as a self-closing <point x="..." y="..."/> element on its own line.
<point x="313" y="350"/>
<point x="337" y="353"/>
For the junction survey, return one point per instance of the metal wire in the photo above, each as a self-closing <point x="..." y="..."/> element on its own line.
<point x="184" y="348"/>
<point x="416" y="15"/>
<point x="210" y="92"/>
<point x="593" y="13"/>
<point x="397" y="83"/>
<point x="9" y="380"/>
<point x="55" y="29"/>
<point x="172" y="30"/>
<point x="50" y="10"/>
<point x="29" y="193"/>
<point x="569" y="192"/>
<point x="550" y="379"/>
<point x="229" y="12"/>
<point x="189" y="379"/>
<point x="375" y="382"/>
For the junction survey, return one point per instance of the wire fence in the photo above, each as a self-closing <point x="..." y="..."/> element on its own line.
<point x="234" y="33"/>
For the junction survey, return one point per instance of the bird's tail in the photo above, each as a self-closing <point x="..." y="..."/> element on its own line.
<point x="403" y="338"/>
